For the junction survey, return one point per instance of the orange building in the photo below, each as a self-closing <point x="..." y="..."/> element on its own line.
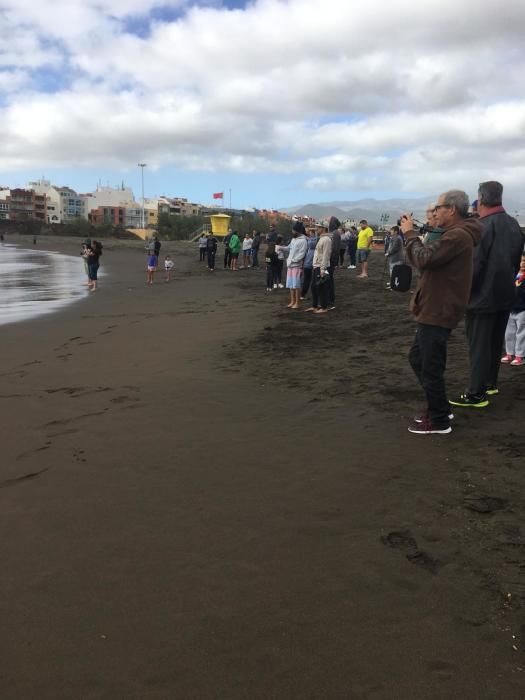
<point x="116" y="216"/>
<point x="26" y="205"/>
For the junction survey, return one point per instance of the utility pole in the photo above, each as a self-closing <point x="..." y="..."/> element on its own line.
<point x="142" y="166"/>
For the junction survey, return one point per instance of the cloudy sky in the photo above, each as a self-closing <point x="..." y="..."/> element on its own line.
<point x="281" y="101"/>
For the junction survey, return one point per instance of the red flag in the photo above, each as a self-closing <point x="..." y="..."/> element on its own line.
<point x="218" y="195"/>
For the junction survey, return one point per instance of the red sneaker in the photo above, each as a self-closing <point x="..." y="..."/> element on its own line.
<point x="517" y="361"/>
<point x="506" y="359"/>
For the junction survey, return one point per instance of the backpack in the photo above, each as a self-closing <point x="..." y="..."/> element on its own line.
<point x="401" y="277"/>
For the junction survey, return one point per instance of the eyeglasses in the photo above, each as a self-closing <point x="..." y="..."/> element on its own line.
<point x="440" y="206"/>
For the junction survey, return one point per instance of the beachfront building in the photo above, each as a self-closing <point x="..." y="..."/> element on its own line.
<point x="64" y="205"/>
<point x="178" y="206"/>
<point x="273" y="216"/>
<point x="23" y="205"/>
<point x="116" y="216"/>
<point x="133" y="216"/>
<point x="4" y="206"/>
<point x="151" y="212"/>
<point x="112" y="197"/>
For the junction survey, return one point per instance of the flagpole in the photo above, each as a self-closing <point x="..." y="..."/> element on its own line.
<point x="230" y="198"/>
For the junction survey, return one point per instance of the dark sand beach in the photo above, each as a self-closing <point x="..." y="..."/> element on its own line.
<point x="205" y="495"/>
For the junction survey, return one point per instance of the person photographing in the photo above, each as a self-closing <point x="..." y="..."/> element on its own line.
<point x="440" y="300"/>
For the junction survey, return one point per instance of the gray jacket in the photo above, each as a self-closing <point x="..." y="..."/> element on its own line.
<point x="395" y="252"/>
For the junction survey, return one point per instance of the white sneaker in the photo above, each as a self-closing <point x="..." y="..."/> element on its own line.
<point x="268" y="289"/>
<point x="351" y="267"/>
<point x="281" y="286"/>
<point x="275" y="286"/>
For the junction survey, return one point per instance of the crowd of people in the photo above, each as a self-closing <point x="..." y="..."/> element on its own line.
<point x="469" y="262"/>
<point x="311" y="257"/>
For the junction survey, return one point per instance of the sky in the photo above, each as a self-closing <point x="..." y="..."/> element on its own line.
<point x="273" y="102"/>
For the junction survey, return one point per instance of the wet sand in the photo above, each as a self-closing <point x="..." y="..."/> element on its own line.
<point x="205" y="495"/>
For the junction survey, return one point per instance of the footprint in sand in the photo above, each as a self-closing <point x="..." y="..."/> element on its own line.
<point x="442" y="669"/>
<point x="404" y="541"/>
<point x="79" y="455"/>
<point x="484" y="504"/>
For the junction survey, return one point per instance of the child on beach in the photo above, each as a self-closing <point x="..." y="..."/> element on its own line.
<point x="247" y="250"/>
<point x="515" y="333"/>
<point x="152" y="267"/>
<point x="280" y="250"/>
<point x="168" y="266"/>
<point x="272" y="264"/>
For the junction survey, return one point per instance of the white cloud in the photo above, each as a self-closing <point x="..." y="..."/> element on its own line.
<point x="386" y="95"/>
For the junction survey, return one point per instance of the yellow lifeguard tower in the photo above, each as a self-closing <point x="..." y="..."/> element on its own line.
<point x="220" y="224"/>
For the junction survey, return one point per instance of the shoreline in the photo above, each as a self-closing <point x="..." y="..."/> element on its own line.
<point x="207" y="495"/>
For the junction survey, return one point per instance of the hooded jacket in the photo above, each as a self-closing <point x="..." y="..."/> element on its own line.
<point x="310" y="251"/>
<point x="297" y="251"/>
<point x="446" y="265"/>
<point x="496" y="263"/>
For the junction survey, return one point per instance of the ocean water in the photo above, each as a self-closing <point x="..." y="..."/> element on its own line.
<point x="36" y="282"/>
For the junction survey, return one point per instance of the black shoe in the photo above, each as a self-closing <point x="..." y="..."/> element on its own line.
<point x="471" y="401"/>
<point x="492" y="390"/>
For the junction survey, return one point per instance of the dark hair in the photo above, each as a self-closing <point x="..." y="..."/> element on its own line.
<point x="395" y="229"/>
<point x="279" y="240"/>
<point x="490" y="193"/>
<point x="333" y="223"/>
<point x="299" y="228"/>
<point x="363" y="221"/>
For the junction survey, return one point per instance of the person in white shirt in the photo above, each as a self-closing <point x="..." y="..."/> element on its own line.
<point x="168" y="267"/>
<point x="246" y="250"/>
<point x="203" y="244"/>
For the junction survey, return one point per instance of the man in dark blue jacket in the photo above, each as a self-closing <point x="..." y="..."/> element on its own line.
<point x="496" y="263"/>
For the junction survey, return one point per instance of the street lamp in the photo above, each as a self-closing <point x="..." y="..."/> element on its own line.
<point x="142" y="166"/>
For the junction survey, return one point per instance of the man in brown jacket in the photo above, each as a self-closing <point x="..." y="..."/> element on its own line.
<point x="440" y="300"/>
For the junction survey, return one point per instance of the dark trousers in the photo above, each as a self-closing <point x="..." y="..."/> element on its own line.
<point x="319" y="289"/>
<point x="485" y="334"/>
<point x="331" y="285"/>
<point x="211" y="259"/>
<point x="280" y="266"/>
<point x="271" y="276"/>
<point x="341" y="255"/>
<point x="202" y="254"/>
<point x="227" y="257"/>
<point x="352" y="248"/>
<point x="428" y="359"/>
<point x="255" y="257"/>
<point x="307" y="280"/>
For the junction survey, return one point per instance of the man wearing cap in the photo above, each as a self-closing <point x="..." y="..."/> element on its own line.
<point x="493" y="292"/>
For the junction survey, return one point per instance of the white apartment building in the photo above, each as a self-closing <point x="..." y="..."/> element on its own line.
<point x="4" y="206"/>
<point x="64" y="205"/>
<point x="110" y="197"/>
